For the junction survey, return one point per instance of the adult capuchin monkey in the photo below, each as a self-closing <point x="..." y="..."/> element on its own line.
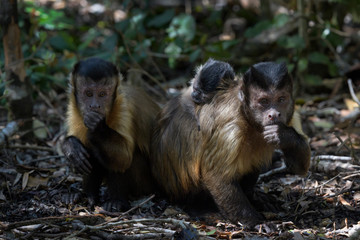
<point x="109" y="129"/>
<point x="241" y="124"/>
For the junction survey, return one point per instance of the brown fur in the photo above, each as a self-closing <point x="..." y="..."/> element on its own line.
<point x="223" y="146"/>
<point x="126" y="171"/>
<point x="226" y="150"/>
<point x="125" y="119"/>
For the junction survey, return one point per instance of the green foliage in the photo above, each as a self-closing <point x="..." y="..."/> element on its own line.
<point x="53" y="40"/>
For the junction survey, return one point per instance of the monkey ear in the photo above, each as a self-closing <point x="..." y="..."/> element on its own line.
<point x="282" y="69"/>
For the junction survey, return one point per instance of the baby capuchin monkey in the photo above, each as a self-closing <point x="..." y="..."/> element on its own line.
<point x="240" y="127"/>
<point x="109" y="129"/>
<point x="211" y="76"/>
<point x="208" y="78"/>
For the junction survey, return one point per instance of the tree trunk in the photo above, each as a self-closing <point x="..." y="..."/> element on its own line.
<point x="18" y="89"/>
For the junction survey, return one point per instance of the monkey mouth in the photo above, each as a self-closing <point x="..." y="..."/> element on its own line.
<point x="273" y="122"/>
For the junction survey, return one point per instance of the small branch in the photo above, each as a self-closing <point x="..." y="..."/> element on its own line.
<point x="352" y="92"/>
<point x="120" y="214"/>
<point x="44" y="159"/>
<point x="32" y="147"/>
<point x="332" y="157"/>
<point x="280" y="169"/>
<point x="49" y="220"/>
<point x="351" y="175"/>
<point x="343" y="143"/>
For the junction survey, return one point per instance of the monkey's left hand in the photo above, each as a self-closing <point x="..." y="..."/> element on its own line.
<point x="280" y="135"/>
<point x="94" y="121"/>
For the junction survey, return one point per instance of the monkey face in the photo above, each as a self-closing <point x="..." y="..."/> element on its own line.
<point x="95" y="96"/>
<point x="200" y="97"/>
<point x="270" y="107"/>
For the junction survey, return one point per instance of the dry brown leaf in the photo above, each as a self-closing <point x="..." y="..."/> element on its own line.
<point x="37" y="181"/>
<point x="25" y="180"/>
<point x="346" y="203"/>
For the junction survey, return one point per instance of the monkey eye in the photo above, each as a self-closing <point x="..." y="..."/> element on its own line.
<point x="264" y="101"/>
<point x="102" y="94"/>
<point x="281" y="99"/>
<point x="89" y="93"/>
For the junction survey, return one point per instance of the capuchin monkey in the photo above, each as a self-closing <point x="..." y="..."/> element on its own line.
<point x="109" y="130"/>
<point x="208" y="78"/>
<point x="211" y="76"/>
<point x="241" y="125"/>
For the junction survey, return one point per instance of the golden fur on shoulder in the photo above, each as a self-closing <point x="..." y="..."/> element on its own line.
<point x="134" y="128"/>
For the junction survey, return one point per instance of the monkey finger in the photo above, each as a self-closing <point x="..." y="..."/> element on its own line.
<point x="84" y="166"/>
<point x="271" y="127"/>
<point x="84" y="152"/>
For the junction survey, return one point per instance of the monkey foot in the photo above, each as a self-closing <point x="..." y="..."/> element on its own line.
<point x="70" y="198"/>
<point x="116" y="205"/>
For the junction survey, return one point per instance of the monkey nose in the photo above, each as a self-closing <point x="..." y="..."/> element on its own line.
<point x="274" y="115"/>
<point x="95" y="107"/>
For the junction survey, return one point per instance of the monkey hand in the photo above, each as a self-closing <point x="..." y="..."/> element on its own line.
<point x="94" y="121"/>
<point x="77" y="155"/>
<point x="279" y="135"/>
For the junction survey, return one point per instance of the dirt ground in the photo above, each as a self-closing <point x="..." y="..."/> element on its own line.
<point x="322" y="205"/>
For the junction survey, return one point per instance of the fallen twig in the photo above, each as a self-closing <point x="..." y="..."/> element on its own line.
<point x="351" y="175"/>
<point x="332" y="157"/>
<point x="50" y="220"/>
<point x="32" y="147"/>
<point x="180" y="223"/>
<point x="119" y="214"/>
<point x="280" y="169"/>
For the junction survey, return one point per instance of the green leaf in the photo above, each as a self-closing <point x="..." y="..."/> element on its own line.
<point x="110" y="42"/>
<point x="173" y="51"/>
<point x="195" y="55"/>
<point x="280" y="20"/>
<point x="89" y="37"/>
<point x="313" y="80"/>
<point x="63" y="41"/>
<point x="182" y="26"/>
<point x="211" y="232"/>
<point x="227" y="44"/>
<point x="302" y="64"/>
<point x="317" y="57"/>
<point x="162" y="19"/>
<point x="257" y="29"/>
<point x="290" y="42"/>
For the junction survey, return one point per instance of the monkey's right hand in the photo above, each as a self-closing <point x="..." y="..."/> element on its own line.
<point x="94" y="120"/>
<point x="77" y="155"/>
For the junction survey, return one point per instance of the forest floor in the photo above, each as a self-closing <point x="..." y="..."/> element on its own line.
<point x="322" y="205"/>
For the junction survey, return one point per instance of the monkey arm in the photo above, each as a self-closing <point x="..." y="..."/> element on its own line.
<point x="297" y="153"/>
<point x="77" y="154"/>
<point x="110" y="148"/>
<point x="232" y="201"/>
<point x="294" y="146"/>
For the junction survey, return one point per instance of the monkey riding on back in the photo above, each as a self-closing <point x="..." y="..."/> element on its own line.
<point x="241" y="122"/>
<point x="109" y="129"/>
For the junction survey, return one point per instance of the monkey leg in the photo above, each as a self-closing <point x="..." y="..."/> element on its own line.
<point x="232" y="201"/>
<point x="117" y="192"/>
<point x="248" y="182"/>
<point x="92" y="183"/>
